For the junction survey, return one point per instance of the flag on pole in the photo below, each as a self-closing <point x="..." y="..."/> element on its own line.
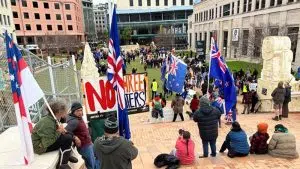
<point x="176" y="75"/>
<point x="221" y="73"/>
<point x="115" y="75"/>
<point x="26" y="92"/>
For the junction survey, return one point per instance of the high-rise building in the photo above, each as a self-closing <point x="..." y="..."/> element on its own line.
<point x="89" y="24"/>
<point x="6" y="20"/>
<point x="101" y="17"/>
<point x="240" y="26"/>
<point x="41" y="22"/>
<point x="149" y="20"/>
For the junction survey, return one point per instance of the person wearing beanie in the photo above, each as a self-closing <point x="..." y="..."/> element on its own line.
<point x="113" y="151"/>
<point x="236" y="142"/>
<point x="259" y="140"/>
<point x="207" y="118"/>
<point x="81" y="136"/>
<point x="283" y="143"/>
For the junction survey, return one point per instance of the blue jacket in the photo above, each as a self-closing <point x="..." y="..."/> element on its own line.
<point x="238" y="141"/>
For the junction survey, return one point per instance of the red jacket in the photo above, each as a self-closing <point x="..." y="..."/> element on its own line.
<point x="181" y="151"/>
<point x="194" y="104"/>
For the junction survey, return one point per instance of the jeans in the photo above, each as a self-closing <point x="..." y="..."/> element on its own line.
<point x="87" y="153"/>
<point x="153" y="94"/>
<point x="212" y="147"/>
<point x="175" y="116"/>
<point x="246" y="108"/>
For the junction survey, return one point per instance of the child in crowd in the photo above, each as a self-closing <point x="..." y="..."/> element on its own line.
<point x="236" y="142"/>
<point x="259" y="140"/>
<point x="185" y="148"/>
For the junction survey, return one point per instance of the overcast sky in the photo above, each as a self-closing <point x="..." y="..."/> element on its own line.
<point x="99" y="1"/>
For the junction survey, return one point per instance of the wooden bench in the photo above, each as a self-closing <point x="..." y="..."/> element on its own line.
<point x="11" y="158"/>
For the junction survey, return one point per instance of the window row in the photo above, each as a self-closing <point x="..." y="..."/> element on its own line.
<point x="35" y="4"/>
<point x="3" y="3"/>
<point x="157" y="2"/>
<point x="4" y="20"/>
<point x="37" y="16"/>
<point x="39" y="27"/>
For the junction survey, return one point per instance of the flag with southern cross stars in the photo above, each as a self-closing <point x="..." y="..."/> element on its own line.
<point x="176" y="74"/>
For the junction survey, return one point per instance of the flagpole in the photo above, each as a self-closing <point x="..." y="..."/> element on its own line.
<point x="50" y="110"/>
<point x="212" y="42"/>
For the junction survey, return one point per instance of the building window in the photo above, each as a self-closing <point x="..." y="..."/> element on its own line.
<point x="17" y="26"/>
<point x="245" y="42"/>
<point x="157" y="2"/>
<point x="201" y="17"/>
<point x="26" y="15"/>
<point x="238" y="7"/>
<point x="69" y="17"/>
<point x="220" y="12"/>
<point x="49" y="27"/>
<point x="28" y="27"/>
<point x="213" y="14"/>
<point x="148" y="2"/>
<point x="263" y="4"/>
<point x="245" y="6"/>
<point x="58" y="17"/>
<point x="191" y="2"/>
<point x="59" y="27"/>
<point x="226" y="10"/>
<point x="279" y="2"/>
<point x="140" y="3"/>
<point x="257" y="4"/>
<point x="67" y="6"/>
<point x="131" y="2"/>
<point x="46" y="5"/>
<point x="216" y="12"/>
<point x="249" y="5"/>
<point x="13" y="2"/>
<point x="190" y="39"/>
<point x="4" y="18"/>
<point x="5" y="2"/>
<point x="48" y="17"/>
<point x="39" y="27"/>
<point x="8" y="20"/>
<point x="70" y="27"/>
<point x="1" y="23"/>
<point x="36" y="15"/>
<point x="166" y="2"/>
<point x="15" y="14"/>
<point x="232" y="10"/>
<point x="182" y="2"/>
<point x="272" y="2"/>
<point x="56" y="6"/>
<point x="24" y="3"/>
<point x="174" y="2"/>
<point x="196" y="37"/>
<point x="290" y="1"/>
<point x="274" y="31"/>
<point x="35" y="4"/>
<point x="293" y="35"/>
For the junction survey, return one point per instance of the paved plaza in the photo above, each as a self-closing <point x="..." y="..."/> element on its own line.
<point x="153" y="139"/>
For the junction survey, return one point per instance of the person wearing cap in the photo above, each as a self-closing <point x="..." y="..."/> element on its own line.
<point x="81" y="135"/>
<point x="236" y="142"/>
<point x="113" y="151"/>
<point x="48" y="135"/>
<point x="283" y="143"/>
<point x="259" y="140"/>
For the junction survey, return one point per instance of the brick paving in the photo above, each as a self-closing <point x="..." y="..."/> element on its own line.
<point x="153" y="139"/>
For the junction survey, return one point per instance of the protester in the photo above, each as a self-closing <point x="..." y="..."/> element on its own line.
<point x="236" y="142"/>
<point x="245" y="90"/>
<point x="157" y="107"/>
<point x="154" y="87"/>
<point x="254" y="100"/>
<point x="278" y="96"/>
<point x="283" y="143"/>
<point x="48" y="136"/>
<point x="287" y="99"/>
<point x="194" y="105"/>
<point x="185" y="148"/>
<point x="114" y="152"/>
<point x="207" y="118"/>
<point x="259" y="140"/>
<point x="247" y="102"/>
<point x="81" y="135"/>
<point x="177" y="106"/>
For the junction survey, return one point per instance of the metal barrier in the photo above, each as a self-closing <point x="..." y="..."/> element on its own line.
<point x="59" y="80"/>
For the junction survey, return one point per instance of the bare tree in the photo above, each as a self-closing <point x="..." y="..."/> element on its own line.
<point x="165" y="38"/>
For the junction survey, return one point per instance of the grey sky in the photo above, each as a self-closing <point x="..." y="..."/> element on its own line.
<point x="99" y="1"/>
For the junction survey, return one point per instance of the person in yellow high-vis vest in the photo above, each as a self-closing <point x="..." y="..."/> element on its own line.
<point x="154" y="87"/>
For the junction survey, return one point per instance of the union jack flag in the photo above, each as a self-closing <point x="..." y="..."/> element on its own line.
<point x="115" y="75"/>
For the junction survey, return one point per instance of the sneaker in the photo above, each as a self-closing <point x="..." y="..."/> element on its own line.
<point x="203" y="156"/>
<point x="73" y="159"/>
<point x="275" y="118"/>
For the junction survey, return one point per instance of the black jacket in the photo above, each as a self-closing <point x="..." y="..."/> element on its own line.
<point x="207" y="118"/>
<point x="278" y="95"/>
<point x="287" y="97"/>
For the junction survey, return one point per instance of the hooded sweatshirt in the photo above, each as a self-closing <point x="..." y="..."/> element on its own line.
<point x="115" y="153"/>
<point x="207" y="118"/>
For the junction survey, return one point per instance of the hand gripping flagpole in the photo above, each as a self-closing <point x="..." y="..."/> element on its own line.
<point x="212" y="42"/>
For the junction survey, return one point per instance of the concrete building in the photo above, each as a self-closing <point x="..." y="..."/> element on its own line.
<point x="89" y="24"/>
<point x="39" y="21"/>
<point x="6" y="20"/>
<point x="101" y="17"/>
<point x="149" y="19"/>
<point x="240" y="25"/>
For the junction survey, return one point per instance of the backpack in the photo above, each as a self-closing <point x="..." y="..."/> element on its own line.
<point x="168" y="160"/>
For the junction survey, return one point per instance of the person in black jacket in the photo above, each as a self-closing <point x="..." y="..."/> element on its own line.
<point x="287" y="99"/>
<point x="207" y="118"/>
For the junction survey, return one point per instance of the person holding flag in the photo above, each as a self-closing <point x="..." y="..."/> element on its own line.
<point x="221" y="73"/>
